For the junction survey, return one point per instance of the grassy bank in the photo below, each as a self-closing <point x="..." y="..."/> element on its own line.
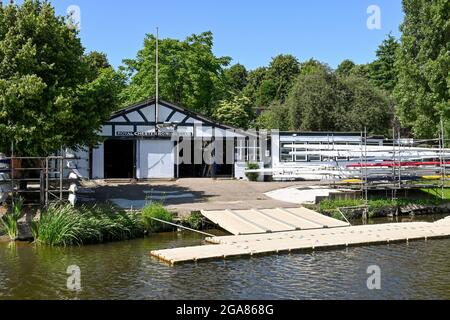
<point x="376" y="207"/>
<point x="438" y="193"/>
<point x="68" y="226"/>
<point x="64" y="225"/>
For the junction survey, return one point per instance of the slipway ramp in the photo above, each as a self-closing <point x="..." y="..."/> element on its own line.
<point x="261" y="221"/>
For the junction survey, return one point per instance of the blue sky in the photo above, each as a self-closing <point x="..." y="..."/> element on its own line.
<point x="249" y="31"/>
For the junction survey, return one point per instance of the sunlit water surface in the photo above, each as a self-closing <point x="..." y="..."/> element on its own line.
<point x="125" y="270"/>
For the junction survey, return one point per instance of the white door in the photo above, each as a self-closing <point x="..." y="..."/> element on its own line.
<point x="157" y="159"/>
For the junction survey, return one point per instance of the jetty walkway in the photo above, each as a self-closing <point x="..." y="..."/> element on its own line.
<point x="305" y="240"/>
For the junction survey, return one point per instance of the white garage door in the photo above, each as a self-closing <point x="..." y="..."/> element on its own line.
<point x="157" y="159"/>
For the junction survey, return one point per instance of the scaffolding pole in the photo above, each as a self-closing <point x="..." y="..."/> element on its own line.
<point x="443" y="160"/>
<point x="366" y="178"/>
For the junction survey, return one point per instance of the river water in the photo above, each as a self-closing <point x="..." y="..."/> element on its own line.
<point x="125" y="270"/>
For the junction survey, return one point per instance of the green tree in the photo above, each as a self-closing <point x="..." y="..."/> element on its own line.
<point x="423" y="64"/>
<point x="368" y="107"/>
<point x="280" y="76"/>
<point x="345" y="68"/>
<point x="236" y="77"/>
<point x="382" y="71"/>
<point x="98" y="64"/>
<point x="97" y="61"/>
<point x="313" y="66"/>
<point x="361" y="70"/>
<point x="254" y="80"/>
<point x="189" y="73"/>
<point x="275" y="117"/>
<point x="314" y="100"/>
<point x="48" y="96"/>
<point x="322" y="101"/>
<point x="266" y="94"/>
<point x="236" y="112"/>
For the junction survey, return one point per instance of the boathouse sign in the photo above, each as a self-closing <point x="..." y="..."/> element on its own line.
<point x="152" y="134"/>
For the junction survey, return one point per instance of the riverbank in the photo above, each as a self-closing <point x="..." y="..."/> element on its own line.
<point x="376" y="209"/>
<point x="64" y="225"/>
<point x="417" y="203"/>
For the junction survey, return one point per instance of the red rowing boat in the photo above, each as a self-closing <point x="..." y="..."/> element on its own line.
<point x="391" y="164"/>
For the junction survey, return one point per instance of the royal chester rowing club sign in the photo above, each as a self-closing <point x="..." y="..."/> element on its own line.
<point x="166" y="134"/>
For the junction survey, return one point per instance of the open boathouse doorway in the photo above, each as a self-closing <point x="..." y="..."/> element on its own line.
<point x="194" y="164"/>
<point x="119" y="159"/>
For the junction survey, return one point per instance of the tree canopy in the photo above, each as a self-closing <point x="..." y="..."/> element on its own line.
<point x="423" y="64"/>
<point x="236" y="77"/>
<point x="382" y="71"/>
<point x="54" y="95"/>
<point x="189" y="73"/>
<point x="345" y="68"/>
<point x="323" y="101"/>
<point x="236" y="112"/>
<point x="50" y="95"/>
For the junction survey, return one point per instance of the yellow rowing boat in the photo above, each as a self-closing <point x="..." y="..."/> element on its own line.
<point x="353" y="181"/>
<point x="434" y="177"/>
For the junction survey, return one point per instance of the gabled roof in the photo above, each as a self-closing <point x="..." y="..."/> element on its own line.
<point x="191" y="114"/>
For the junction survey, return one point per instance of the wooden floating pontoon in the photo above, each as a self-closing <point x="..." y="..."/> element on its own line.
<point x="306" y="240"/>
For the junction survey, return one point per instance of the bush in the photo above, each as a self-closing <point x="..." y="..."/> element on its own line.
<point x="10" y="219"/>
<point x="252" y="176"/>
<point x="194" y="221"/>
<point x="155" y="210"/>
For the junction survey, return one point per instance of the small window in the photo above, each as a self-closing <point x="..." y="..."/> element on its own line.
<point x="300" y="157"/>
<point x="314" y="158"/>
<point x="286" y="152"/>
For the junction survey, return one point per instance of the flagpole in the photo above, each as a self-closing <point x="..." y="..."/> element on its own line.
<point x="157" y="76"/>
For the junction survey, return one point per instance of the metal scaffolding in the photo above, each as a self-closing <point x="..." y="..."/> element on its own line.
<point x="39" y="181"/>
<point x="402" y="176"/>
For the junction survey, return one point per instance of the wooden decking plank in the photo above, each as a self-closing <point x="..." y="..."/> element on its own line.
<point x="235" y="246"/>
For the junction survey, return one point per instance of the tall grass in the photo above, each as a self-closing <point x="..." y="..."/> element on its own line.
<point x="60" y="226"/>
<point x="110" y="224"/>
<point x="66" y="226"/>
<point x="155" y="210"/>
<point x="10" y="220"/>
